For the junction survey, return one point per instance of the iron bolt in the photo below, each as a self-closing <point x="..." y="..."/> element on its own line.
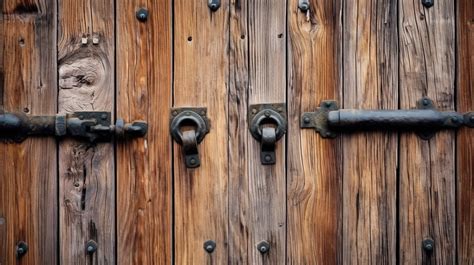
<point x="268" y="158"/>
<point x="21" y="249"/>
<point x="427" y="3"/>
<point x="209" y="246"/>
<point x="192" y="161"/>
<point x="426" y="102"/>
<point x="306" y="119"/>
<point x="214" y="5"/>
<point x="142" y="14"/>
<point x="267" y="114"/>
<point x="303" y="5"/>
<point x="263" y="247"/>
<point x="91" y="247"/>
<point x="428" y="244"/>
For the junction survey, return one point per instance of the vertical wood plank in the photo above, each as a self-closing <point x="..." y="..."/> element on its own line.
<point x="465" y="141"/>
<point x="267" y="84"/>
<point x="86" y="171"/>
<point x="28" y="178"/>
<point x="239" y="220"/>
<point x="427" y="170"/>
<point x="370" y="47"/>
<point x="200" y="79"/>
<point x="257" y="75"/>
<point x="314" y="168"/>
<point x="144" y="165"/>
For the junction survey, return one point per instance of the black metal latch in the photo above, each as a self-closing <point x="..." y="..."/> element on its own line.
<point x="93" y="126"/>
<point x="267" y="123"/>
<point x="188" y="126"/>
<point x="425" y="120"/>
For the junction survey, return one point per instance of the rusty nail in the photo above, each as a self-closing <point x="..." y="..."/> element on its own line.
<point x="263" y="247"/>
<point x="91" y="247"/>
<point x="142" y="14"/>
<point x="209" y="246"/>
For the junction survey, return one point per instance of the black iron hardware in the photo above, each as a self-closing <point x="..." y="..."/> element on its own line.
<point x="188" y="127"/>
<point x="213" y="5"/>
<point x="94" y="126"/>
<point x="428" y="245"/>
<point x="142" y="14"/>
<point x="425" y="120"/>
<point x="91" y="247"/>
<point x="209" y="246"/>
<point x="267" y="123"/>
<point x="263" y="246"/>
<point x="427" y="3"/>
<point x="21" y="249"/>
<point x="303" y="5"/>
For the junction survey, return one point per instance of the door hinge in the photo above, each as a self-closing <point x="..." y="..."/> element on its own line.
<point x="93" y="126"/>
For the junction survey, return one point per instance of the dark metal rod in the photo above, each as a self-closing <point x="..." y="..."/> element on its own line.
<point x="393" y="119"/>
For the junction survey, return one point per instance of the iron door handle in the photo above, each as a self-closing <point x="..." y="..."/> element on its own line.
<point x="188" y="127"/>
<point x="93" y="126"/>
<point x="328" y="120"/>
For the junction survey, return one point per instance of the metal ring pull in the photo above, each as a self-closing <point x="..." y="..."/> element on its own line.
<point x="196" y="120"/>
<point x="267" y="124"/>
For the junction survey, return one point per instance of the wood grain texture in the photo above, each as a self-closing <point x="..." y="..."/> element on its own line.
<point x="313" y="170"/>
<point x="144" y="165"/>
<point x="267" y="84"/>
<point x="465" y="141"/>
<point x="200" y="79"/>
<point x="239" y="220"/>
<point x="86" y="171"/>
<point x="427" y="173"/>
<point x="257" y="193"/>
<point x="370" y="71"/>
<point x="28" y="178"/>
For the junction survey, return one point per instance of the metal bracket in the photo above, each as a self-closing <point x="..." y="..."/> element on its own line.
<point x="267" y="124"/>
<point x="93" y="126"/>
<point x="188" y="127"/>
<point x="425" y="120"/>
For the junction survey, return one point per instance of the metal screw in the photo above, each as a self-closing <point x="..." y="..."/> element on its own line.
<point x="280" y="109"/>
<point x="175" y="113"/>
<point x="192" y="161"/>
<point x="21" y="249"/>
<point x="268" y="158"/>
<point x="209" y="246"/>
<point x="254" y="111"/>
<point x="427" y="3"/>
<point x="263" y="247"/>
<point x="428" y="245"/>
<point x="91" y="247"/>
<point x="203" y="112"/>
<point x="267" y="114"/>
<point x="142" y="14"/>
<point x="306" y="119"/>
<point x="103" y="116"/>
<point x="303" y="5"/>
<point x="214" y="5"/>
<point x="426" y="102"/>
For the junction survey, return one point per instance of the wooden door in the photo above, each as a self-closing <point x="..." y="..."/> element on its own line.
<point x="360" y="198"/>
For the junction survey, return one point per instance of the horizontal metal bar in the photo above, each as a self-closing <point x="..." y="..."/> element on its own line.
<point x="426" y="120"/>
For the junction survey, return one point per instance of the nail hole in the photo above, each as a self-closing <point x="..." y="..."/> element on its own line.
<point x="190" y="38"/>
<point x="242" y="36"/>
<point x="21" y="41"/>
<point x="280" y="35"/>
<point x="26" y="110"/>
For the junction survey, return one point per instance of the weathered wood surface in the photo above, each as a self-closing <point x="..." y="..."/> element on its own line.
<point x="200" y="79"/>
<point x="370" y="73"/>
<point x="144" y="165"/>
<point x="239" y="216"/>
<point x="28" y="190"/>
<point x="314" y="168"/>
<point x="427" y="170"/>
<point x="267" y="84"/>
<point x="86" y="171"/>
<point x="465" y="141"/>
